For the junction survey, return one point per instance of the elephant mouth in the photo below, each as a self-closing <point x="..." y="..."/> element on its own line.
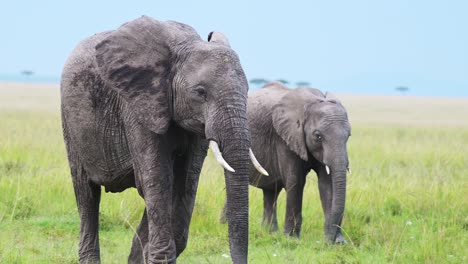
<point x="220" y="159"/>
<point x="194" y="125"/>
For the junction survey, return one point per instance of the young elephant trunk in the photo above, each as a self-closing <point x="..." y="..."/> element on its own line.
<point x="338" y="169"/>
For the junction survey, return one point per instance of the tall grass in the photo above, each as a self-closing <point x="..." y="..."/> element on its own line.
<point x="406" y="200"/>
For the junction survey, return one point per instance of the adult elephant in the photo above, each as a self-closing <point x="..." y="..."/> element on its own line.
<point x="293" y="132"/>
<point x="139" y="106"/>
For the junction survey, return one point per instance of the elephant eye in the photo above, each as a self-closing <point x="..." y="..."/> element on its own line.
<point x="318" y="136"/>
<point x="199" y="92"/>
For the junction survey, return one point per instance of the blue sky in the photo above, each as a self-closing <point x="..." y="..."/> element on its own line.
<point x="359" y="46"/>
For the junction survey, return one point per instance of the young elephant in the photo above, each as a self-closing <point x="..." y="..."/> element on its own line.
<point x="293" y="132"/>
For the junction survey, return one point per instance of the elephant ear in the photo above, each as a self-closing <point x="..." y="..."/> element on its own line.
<point x="135" y="61"/>
<point x="218" y="37"/>
<point x="330" y="97"/>
<point x="289" y="117"/>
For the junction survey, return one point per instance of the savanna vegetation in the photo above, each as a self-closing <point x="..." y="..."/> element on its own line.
<point x="406" y="200"/>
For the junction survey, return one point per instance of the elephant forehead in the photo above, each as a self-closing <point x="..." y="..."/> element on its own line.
<point x="213" y="53"/>
<point x="334" y="125"/>
<point x="327" y="109"/>
<point x="323" y="115"/>
<point x="210" y="66"/>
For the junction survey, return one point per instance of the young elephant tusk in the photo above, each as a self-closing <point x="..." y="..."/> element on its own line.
<point x="219" y="157"/>
<point x="327" y="169"/>
<point x="257" y="164"/>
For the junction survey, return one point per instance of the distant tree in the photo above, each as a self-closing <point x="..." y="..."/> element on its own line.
<point x="258" y="81"/>
<point x="285" y="82"/>
<point x="27" y="72"/>
<point x="302" y="83"/>
<point x="402" y="89"/>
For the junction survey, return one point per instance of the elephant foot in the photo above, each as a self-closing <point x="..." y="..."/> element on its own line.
<point x="272" y="228"/>
<point x="137" y="258"/>
<point x="90" y="260"/>
<point x="292" y="234"/>
<point x="340" y="240"/>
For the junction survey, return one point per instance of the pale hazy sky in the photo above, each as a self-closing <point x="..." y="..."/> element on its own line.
<point x="360" y="46"/>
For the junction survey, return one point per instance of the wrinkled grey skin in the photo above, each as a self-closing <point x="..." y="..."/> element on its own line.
<point x="139" y="105"/>
<point x="294" y="132"/>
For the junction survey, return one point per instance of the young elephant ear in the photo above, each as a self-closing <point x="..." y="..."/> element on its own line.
<point x="135" y="61"/>
<point x="288" y="119"/>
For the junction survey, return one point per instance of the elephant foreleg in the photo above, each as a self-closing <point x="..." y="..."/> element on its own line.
<point x="158" y="201"/>
<point x="88" y="196"/>
<point x="326" y="196"/>
<point x="139" y="251"/>
<point x="154" y="179"/>
<point x="293" y="220"/>
<point x="269" y="209"/>
<point x="187" y="170"/>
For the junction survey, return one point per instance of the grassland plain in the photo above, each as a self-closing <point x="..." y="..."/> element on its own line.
<point x="406" y="201"/>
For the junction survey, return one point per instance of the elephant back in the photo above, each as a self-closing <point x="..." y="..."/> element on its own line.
<point x="261" y="101"/>
<point x="260" y="108"/>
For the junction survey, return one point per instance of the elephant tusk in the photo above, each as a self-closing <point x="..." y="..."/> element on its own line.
<point x="327" y="169"/>
<point x="349" y="170"/>
<point x="219" y="157"/>
<point x="257" y="164"/>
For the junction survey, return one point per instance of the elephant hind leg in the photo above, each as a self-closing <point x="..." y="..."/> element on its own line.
<point x="270" y="220"/>
<point x="139" y="252"/>
<point x="88" y="196"/>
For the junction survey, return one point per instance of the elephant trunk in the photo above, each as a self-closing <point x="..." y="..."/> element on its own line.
<point x="338" y="169"/>
<point x="236" y="152"/>
<point x="231" y="132"/>
<point x="237" y="191"/>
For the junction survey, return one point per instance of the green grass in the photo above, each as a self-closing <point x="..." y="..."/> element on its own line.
<point x="406" y="200"/>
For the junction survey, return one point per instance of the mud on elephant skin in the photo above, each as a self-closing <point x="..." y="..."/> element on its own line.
<point x="140" y="105"/>
<point x="294" y="131"/>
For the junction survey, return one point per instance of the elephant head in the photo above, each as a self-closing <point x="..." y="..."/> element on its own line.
<point x="315" y="127"/>
<point x="167" y="74"/>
